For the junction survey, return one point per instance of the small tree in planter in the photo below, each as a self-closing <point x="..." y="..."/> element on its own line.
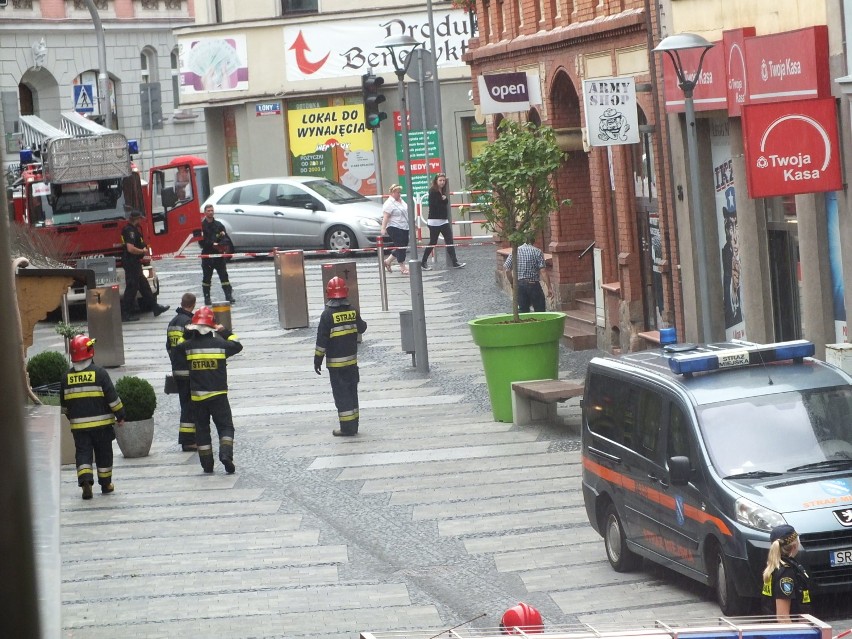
<point x="137" y="434"/>
<point x="516" y="173"/>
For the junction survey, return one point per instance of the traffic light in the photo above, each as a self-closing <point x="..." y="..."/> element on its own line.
<point x="370" y="86"/>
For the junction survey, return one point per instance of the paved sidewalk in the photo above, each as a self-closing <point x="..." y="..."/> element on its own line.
<point x="431" y="516"/>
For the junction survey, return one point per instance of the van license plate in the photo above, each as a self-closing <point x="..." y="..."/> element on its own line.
<point x="841" y="558"/>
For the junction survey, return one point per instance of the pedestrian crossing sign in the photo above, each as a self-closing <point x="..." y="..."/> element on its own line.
<point x="84" y="98"/>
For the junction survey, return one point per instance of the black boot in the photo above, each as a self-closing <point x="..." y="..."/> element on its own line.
<point x="229" y="293"/>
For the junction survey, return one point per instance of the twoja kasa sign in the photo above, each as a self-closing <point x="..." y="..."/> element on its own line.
<point x="791" y="148"/>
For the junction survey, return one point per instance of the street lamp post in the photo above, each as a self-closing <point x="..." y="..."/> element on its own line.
<point x="672" y="46"/>
<point x="401" y="48"/>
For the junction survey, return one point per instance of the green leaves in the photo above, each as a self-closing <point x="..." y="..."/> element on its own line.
<point x="517" y="171"/>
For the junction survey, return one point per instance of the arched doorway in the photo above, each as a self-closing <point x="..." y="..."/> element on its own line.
<point x="38" y="94"/>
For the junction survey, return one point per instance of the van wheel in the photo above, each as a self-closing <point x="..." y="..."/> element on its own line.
<point x="731" y="604"/>
<point x="621" y="558"/>
<point x="340" y="238"/>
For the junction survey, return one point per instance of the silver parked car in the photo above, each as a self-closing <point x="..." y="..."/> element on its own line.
<point x="296" y="212"/>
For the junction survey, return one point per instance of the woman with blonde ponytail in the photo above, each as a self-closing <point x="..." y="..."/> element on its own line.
<point x="786" y="588"/>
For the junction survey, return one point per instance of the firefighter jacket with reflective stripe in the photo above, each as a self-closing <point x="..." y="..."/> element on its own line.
<point x="205" y="357"/>
<point x="89" y="399"/>
<point x="174" y="335"/>
<point x="337" y="335"/>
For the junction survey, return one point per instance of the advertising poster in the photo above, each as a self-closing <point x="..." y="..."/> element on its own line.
<point x="332" y="142"/>
<point x="419" y="148"/>
<point x="726" y="219"/>
<point x="213" y="64"/>
<point x="347" y="47"/>
<point x="835" y="263"/>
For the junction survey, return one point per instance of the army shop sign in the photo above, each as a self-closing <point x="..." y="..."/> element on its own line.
<point x="612" y="117"/>
<point x="791" y="148"/>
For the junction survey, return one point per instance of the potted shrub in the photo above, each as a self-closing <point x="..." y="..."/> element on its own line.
<point x="45" y="371"/>
<point x="516" y="173"/>
<point x="140" y="401"/>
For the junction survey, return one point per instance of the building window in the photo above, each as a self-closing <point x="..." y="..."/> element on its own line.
<point x="151" y="4"/>
<point x="217" y="11"/>
<point x="80" y="5"/>
<point x="299" y="6"/>
<point x="175" y="78"/>
<point x="148" y="65"/>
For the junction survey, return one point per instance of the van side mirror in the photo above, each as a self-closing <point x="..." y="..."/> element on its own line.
<point x="680" y="469"/>
<point x="168" y="197"/>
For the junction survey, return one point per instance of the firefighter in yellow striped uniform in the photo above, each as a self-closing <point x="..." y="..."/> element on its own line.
<point x="89" y="400"/>
<point x="206" y="347"/>
<point x="337" y="342"/>
<point x="174" y="335"/>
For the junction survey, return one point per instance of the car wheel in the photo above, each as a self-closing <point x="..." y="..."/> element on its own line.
<point x="621" y="558"/>
<point x="730" y="603"/>
<point x="340" y="238"/>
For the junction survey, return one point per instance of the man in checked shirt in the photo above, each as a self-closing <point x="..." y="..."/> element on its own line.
<point x="531" y="270"/>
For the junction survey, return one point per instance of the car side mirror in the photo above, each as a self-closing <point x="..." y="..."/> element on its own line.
<point x="680" y="469"/>
<point x="314" y="206"/>
<point x="168" y="197"/>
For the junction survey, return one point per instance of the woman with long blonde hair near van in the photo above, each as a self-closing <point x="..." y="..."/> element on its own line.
<point x="786" y="587"/>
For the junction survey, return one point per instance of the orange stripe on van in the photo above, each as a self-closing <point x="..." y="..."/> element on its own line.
<point x="653" y="495"/>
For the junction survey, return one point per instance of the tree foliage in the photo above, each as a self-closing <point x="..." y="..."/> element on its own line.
<point x="516" y="172"/>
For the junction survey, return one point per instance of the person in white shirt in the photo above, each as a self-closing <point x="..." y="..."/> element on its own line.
<point x="395" y="224"/>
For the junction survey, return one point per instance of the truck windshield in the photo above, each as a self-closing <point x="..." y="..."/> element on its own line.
<point x="84" y="202"/>
<point x="777" y="433"/>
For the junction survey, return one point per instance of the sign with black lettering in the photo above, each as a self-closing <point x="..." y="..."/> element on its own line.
<point x="612" y="117"/>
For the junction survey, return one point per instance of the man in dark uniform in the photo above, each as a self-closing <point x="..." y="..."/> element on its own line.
<point x="89" y="400"/>
<point x="531" y="270"/>
<point x="206" y="347"/>
<point x="337" y="342"/>
<point x="214" y="240"/>
<point x="180" y="371"/>
<point x="135" y="282"/>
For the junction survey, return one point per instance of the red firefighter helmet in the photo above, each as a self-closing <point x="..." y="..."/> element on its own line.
<point x="204" y="317"/>
<point x="336" y="289"/>
<point x="82" y="347"/>
<point x="522" y="617"/>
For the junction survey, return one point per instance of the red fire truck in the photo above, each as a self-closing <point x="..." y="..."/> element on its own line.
<point x="79" y="184"/>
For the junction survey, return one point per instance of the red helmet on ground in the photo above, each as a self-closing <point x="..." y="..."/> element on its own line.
<point x="204" y="317"/>
<point x="82" y="347"/>
<point x="336" y="289"/>
<point x="521" y="617"/>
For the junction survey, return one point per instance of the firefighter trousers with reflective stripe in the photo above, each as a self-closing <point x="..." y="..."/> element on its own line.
<point x="344" y="388"/>
<point x="97" y="443"/>
<point x="186" y="429"/>
<point x="219" y="409"/>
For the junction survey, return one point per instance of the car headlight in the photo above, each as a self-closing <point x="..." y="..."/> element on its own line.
<point x="754" y="516"/>
<point x="369" y="224"/>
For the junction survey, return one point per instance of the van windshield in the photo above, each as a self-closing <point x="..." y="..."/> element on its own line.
<point x="776" y="433"/>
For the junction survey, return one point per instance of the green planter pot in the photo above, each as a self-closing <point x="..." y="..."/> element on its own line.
<point x="515" y="353"/>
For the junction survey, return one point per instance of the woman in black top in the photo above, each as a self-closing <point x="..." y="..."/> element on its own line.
<point x="786" y="587"/>
<point x="439" y="222"/>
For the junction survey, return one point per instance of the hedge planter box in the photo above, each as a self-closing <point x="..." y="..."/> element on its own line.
<point x="516" y="352"/>
<point x="135" y="438"/>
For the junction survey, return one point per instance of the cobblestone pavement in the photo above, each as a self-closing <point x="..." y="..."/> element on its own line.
<point x="432" y="516"/>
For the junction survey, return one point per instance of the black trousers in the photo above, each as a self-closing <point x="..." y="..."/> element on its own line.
<point x="399" y="238"/>
<point x="344" y="389"/>
<point x="219" y="410"/>
<point x="135" y="282"/>
<point x="97" y="443"/>
<point x="208" y="265"/>
<point x="434" y="233"/>
<point x="186" y="429"/>
<point x="530" y="294"/>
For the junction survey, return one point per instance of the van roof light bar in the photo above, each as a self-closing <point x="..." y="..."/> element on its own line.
<point x="700" y="362"/>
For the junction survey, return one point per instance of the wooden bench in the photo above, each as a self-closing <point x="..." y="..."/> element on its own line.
<point x="536" y="400"/>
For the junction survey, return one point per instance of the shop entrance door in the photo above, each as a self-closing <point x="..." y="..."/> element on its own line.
<point x="784" y="281"/>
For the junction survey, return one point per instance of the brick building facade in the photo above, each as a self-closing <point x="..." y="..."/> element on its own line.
<point x="623" y="287"/>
